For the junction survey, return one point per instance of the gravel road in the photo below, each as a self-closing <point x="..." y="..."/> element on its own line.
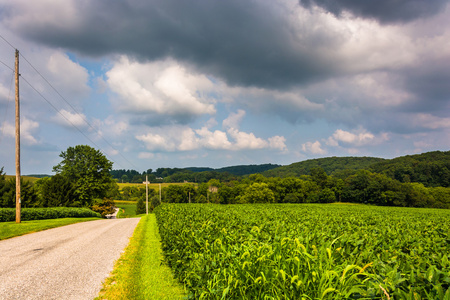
<point x="69" y="262"/>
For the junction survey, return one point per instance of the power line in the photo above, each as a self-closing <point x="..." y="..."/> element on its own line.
<point x="1" y="36"/>
<point x="73" y="108"/>
<point x="6" y="66"/>
<point x="54" y="107"/>
<point x="67" y="102"/>
<point x="7" y="106"/>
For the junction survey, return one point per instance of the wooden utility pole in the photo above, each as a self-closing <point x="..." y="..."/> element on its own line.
<point x="18" y="201"/>
<point x="146" y="193"/>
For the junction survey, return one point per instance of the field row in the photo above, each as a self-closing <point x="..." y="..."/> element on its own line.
<point x="307" y="251"/>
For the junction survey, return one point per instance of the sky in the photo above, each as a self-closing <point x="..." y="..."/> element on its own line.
<point x="210" y="83"/>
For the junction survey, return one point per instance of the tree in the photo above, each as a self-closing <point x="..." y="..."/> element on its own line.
<point x="175" y="194"/>
<point x="89" y="169"/>
<point x="319" y="176"/>
<point x="141" y="207"/>
<point x="28" y="194"/>
<point x="57" y="190"/>
<point x="258" y="193"/>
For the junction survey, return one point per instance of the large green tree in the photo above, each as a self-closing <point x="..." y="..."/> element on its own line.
<point x="57" y="190"/>
<point x="89" y="169"/>
<point x="28" y="193"/>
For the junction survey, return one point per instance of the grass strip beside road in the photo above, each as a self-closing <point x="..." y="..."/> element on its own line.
<point x="140" y="273"/>
<point x="12" y="229"/>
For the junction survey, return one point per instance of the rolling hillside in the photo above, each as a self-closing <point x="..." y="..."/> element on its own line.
<point x="331" y="165"/>
<point x="431" y="168"/>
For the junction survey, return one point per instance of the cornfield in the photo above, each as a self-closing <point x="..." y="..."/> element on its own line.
<point x="307" y="251"/>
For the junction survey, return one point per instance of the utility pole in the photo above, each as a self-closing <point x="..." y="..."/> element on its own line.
<point x="160" y="193"/>
<point x="18" y="201"/>
<point x="146" y="193"/>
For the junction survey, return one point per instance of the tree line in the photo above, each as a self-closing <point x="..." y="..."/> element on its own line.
<point x="432" y="169"/>
<point x="361" y="186"/>
<point x="192" y="174"/>
<point x="84" y="178"/>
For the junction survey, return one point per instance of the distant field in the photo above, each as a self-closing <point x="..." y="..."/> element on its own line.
<point x="127" y="210"/>
<point x="154" y="186"/>
<point x="26" y="178"/>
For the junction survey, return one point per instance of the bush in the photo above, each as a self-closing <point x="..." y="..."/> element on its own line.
<point x="104" y="207"/>
<point x="141" y="207"/>
<point x="154" y="203"/>
<point x="9" y="214"/>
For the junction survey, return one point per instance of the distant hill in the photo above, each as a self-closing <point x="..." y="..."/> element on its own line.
<point x="331" y="165"/>
<point x="431" y="168"/>
<point x="39" y="175"/>
<point x="240" y="170"/>
<point x="199" y="169"/>
<point x="248" y="169"/>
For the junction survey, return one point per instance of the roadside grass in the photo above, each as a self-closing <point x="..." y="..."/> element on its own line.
<point x="140" y="272"/>
<point x="12" y="229"/>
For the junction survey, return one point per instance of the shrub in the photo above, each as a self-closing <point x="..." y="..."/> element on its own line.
<point x="104" y="207"/>
<point x="141" y="208"/>
<point x="9" y="214"/>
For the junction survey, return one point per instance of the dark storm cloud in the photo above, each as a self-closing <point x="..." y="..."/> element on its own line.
<point x="429" y="83"/>
<point x="246" y="43"/>
<point x="385" y="11"/>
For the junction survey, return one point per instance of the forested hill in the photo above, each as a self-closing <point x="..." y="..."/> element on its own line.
<point x="330" y="165"/>
<point x="431" y="168"/>
<point x="240" y="170"/>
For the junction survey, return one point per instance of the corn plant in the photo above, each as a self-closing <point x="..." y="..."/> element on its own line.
<point x="307" y="251"/>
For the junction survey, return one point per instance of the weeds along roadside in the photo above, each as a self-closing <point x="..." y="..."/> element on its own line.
<point x="139" y="273"/>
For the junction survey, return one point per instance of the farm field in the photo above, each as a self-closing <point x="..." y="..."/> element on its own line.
<point x="25" y="178"/>
<point x="154" y="186"/>
<point x="127" y="208"/>
<point x="281" y="251"/>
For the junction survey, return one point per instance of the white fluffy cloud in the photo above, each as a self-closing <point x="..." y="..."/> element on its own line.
<point x="357" y="138"/>
<point x="156" y="142"/>
<point x="429" y="121"/>
<point x="278" y="142"/>
<point x="352" y="138"/>
<point x="244" y="140"/>
<point x="162" y="88"/>
<point x="234" y="119"/>
<point x="28" y="129"/>
<point x="180" y="138"/>
<point x="213" y="139"/>
<point x="313" y="148"/>
<point x="68" y="119"/>
<point x="67" y="76"/>
<point x="184" y="138"/>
